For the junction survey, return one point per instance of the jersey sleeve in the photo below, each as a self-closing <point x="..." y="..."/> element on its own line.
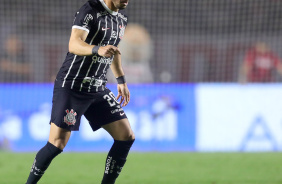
<point x="84" y="18"/>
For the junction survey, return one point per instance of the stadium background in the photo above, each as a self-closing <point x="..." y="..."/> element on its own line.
<point x="183" y="69"/>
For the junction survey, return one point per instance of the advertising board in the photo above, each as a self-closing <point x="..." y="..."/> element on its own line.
<point x="162" y="117"/>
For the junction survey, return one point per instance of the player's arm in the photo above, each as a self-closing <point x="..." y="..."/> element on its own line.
<point x="122" y="88"/>
<point x="78" y="46"/>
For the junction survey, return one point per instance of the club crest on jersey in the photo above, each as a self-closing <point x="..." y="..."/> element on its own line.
<point x="69" y="119"/>
<point x="121" y="33"/>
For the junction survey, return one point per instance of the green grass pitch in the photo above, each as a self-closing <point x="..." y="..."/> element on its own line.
<point x="150" y="168"/>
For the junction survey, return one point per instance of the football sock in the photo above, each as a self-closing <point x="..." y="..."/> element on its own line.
<point x="42" y="161"/>
<point x="116" y="160"/>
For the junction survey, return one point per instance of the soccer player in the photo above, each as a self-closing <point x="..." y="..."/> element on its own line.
<point x="80" y="87"/>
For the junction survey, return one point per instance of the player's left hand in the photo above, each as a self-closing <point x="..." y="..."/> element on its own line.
<point x="123" y="94"/>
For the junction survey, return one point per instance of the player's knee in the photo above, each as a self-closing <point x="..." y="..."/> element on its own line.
<point x="58" y="136"/>
<point x="132" y="136"/>
<point x="58" y="143"/>
<point x="128" y="136"/>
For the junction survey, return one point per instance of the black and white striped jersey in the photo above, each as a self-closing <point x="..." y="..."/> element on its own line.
<point x="105" y="27"/>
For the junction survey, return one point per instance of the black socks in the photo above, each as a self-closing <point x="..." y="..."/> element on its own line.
<point x="116" y="160"/>
<point x="114" y="163"/>
<point x="42" y="161"/>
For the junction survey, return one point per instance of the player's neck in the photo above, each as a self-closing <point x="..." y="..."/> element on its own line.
<point x="110" y="5"/>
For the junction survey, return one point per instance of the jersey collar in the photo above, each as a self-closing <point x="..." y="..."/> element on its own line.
<point x="107" y="8"/>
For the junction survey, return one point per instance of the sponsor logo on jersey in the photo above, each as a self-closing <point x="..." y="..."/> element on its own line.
<point x="103" y="60"/>
<point x="104" y="29"/>
<point x="86" y="20"/>
<point x="93" y="81"/>
<point x="99" y="14"/>
<point x="122" y="17"/>
<point x="114" y="35"/>
<point x="69" y="119"/>
<point x="121" y="33"/>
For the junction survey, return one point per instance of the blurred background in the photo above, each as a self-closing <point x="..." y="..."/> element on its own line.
<point x="204" y="75"/>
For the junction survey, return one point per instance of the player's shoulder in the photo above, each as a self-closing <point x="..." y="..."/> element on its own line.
<point x="122" y="14"/>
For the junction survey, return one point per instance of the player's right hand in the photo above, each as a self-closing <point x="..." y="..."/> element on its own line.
<point x="123" y="94"/>
<point x="108" y="51"/>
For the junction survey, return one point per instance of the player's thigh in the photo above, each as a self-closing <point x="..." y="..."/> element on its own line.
<point x="68" y="106"/>
<point x="59" y="137"/>
<point x="120" y="130"/>
<point x="105" y="109"/>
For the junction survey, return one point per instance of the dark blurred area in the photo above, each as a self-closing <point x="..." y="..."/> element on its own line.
<point x="190" y="40"/>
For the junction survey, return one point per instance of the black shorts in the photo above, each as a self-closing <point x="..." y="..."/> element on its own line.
<point x="99" y="108"/>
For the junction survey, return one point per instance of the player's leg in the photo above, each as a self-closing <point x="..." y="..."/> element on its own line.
<point x="123" y="139"/>
<point x="106" y="112"/>
<point x="58" y="139"/>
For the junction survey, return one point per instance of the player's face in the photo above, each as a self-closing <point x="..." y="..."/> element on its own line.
<point x="120" y="4"/>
